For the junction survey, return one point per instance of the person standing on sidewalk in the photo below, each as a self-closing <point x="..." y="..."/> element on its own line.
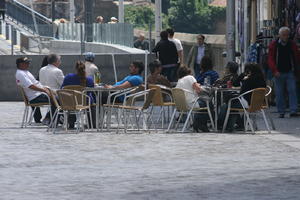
<point x="177" y="44"/>
<point x="283" y="59"/>
<point x="167" y="54"/>
<point x="196" y="54"/>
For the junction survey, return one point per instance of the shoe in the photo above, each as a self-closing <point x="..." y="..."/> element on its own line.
<point x="281" y="115"/>
<point x="294" y="115"/>
<point x="46" y="121"/>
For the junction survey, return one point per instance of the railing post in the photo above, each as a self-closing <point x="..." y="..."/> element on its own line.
<point x="7" y="31"/>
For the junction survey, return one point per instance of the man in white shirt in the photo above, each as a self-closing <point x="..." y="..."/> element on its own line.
<point x="34" y="90"/>
<point x="51" y="75"/>
<point x="90" y="68"/>
<point x="177" y="44"/>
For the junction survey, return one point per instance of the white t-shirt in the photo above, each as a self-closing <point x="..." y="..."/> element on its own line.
<point x="51" y="76"/>
<point x="186" y="83"/>
<point x="25" y="79"/>
<point x="90" y="69"/>
<point x="177" y="43"/>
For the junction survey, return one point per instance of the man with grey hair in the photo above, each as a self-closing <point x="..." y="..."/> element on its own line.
<point x="283" y="60"/>
<point x="51" y="75"/>
<point x="141" y="43"/>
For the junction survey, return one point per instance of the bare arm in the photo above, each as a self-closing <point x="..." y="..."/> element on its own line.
<point x="34" y="87"/>
<point x="196" y="87"/>
<point x="180" y="55"/>
<point x="122" y="86"/>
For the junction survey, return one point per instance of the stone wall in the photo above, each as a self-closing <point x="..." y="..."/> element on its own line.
<point x="9" y="90"/>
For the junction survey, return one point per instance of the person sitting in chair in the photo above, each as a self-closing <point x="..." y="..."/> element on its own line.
<point x="34" y="90"/>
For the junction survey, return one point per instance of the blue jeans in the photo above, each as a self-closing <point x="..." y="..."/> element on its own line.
<point x="288" y="80"/>
<point x="170" y="73"/>
<point x="197" y="70"/>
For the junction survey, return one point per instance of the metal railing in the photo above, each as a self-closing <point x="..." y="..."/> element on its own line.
<point x="23" y="15"/>
<point x="119" y="33"/>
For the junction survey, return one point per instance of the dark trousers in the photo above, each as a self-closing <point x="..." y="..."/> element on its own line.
<point x="233" y="118"/>
<point x="170" y="73"/>
<point x="201" y="119"/>
<point x="197" y="70"/>
<point x="37" y="114"/>
<point x="72" y="118"/>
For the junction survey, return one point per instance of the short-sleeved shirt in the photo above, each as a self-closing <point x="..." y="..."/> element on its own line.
<point x="74" y="79"/>
<point x="134" y="80"/>
<point x="177" y="43"/>
<point x="186" y="83"/>
<point x="25" y="79"/>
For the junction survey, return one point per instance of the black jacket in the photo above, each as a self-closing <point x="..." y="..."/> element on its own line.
<point x="167" y="52"/>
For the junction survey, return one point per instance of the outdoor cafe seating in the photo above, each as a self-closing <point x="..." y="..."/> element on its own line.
<point x="137" y="112"/>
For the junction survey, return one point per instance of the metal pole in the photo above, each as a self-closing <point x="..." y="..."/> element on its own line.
<point x="158" y="21"/>
<point x="12" y="40"/>
<point x="53" y="10"/>
<point x="72" y="11"/>
<point x="88" y="7"/>
<point x="150" y="36"/>
<point x="230" y="30"/>
<point x="82" y="43"/>
<point x="114" y="66"/>
<point x="121" y="11"/>
<point x="246" y="32"/>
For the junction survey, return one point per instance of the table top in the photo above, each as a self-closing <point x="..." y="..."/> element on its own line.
<point x="233" y="89"/>
<point x="101" y="88"/>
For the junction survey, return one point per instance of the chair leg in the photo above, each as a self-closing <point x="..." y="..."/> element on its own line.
<point x="52" y="120"/>
<point x="226" y="118"/>
<point x="171" y="121"/>
<point x="24" y="116"/>
<point x="249" y="121"/>
<point x="186" y="121"/>
<point x="210" y="116"/>
<point x="66" y="121"/>
<point x="54" y="126"/>
<point x="266" y="121"/>
<point x="271" y="120"/>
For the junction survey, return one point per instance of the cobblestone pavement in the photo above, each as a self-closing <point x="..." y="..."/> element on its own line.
<point x="35" y="164"/>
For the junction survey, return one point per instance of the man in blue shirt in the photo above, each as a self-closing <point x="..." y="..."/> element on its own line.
<point x="134" y="79"/>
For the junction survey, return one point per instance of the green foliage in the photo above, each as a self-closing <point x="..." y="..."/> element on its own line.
<point x="188" y="16"/>
<point x="194" y="16"/>
<point x="139" y="16"/>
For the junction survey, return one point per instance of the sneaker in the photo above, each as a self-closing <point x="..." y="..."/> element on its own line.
<point x="281" y="115"/>
<point x="294" y="115"/>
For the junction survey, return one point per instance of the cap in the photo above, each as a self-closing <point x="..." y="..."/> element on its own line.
<point x="23" y="60"/>
<point x="113" y="19"/>
<point x="89" y="56"/>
